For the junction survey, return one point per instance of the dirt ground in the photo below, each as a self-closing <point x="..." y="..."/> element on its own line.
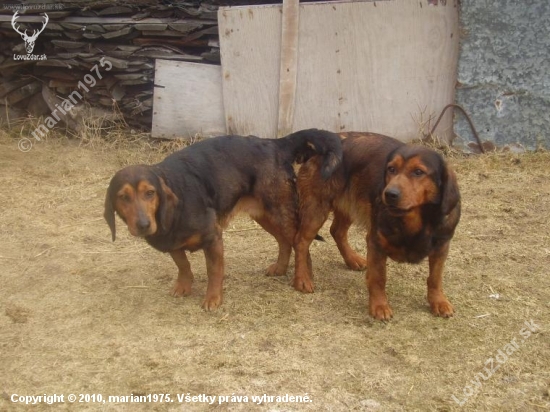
<point x="82" y="315"/>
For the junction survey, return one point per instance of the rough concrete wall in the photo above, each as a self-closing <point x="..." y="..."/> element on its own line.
<point x="504" y="72"/>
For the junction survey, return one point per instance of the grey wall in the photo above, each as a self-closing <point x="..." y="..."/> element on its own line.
<point x="504" y="71"/>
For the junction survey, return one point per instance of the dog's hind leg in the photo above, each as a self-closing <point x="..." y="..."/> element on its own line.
<point x="315" y="198"/>
<point x="213" y="253"/>
<point x="312" y="218"/>
<point x="339" y="231"/>
<point x="284" y="241"/>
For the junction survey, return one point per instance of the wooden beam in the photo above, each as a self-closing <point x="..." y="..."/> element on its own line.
<point x="187" y="100"/>
<point x="106" y="20"/>
<point x="289" y="66"/>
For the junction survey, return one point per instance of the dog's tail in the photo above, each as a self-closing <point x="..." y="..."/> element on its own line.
<point x="308" y="143"/>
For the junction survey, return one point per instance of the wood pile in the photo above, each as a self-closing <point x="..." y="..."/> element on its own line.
<point x="130" y="35"/>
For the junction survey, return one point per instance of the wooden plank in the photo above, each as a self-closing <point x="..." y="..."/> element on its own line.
<point x="289" y="66"/>
<point x="69" y="45"/>
<point x="118" y="33"/>
<point x="250" y="68"/>
<point x="184" y="27"/>
<point x="113" y="11"/>
<point x="384" y="66"/>
<point x="70" y="118"/>
<point x="167" y="54"/>
<point x="150" y="27"/>
<point x="7" y="86"/>
<point x="23" y="92"/>
<point x="164" y="33"/>
<point x="107" y="20"/>
<point x="187" y="100"/>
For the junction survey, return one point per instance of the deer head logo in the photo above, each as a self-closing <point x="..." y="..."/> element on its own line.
<point x="29" y="40"/>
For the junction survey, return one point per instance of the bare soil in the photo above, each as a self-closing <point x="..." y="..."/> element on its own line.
<point x="82" y="315"/>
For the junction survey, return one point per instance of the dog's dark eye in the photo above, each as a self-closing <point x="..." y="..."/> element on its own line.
<point x="418" y="172"/>
<point x="391" y="170"/>
<point x="124" y="198"/>
<point x="149" y="194"/>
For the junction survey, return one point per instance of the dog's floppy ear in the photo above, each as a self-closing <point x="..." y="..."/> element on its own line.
<point x="450" y="194"/>
<point x="384" y="172"/>
<point x="167" y="207"/>
<point x="109" y="213"/>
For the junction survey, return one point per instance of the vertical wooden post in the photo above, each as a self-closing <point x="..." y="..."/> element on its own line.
<point x="289" y="66"/>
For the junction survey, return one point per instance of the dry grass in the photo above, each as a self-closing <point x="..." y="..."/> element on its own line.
<point x="79" y="314"/>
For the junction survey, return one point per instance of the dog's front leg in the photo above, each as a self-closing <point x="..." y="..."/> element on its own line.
<point x="213" y="252"/>
<point x="182" y="287"/>
<point x="379" y="307"/>
<point x="439" y="304"/>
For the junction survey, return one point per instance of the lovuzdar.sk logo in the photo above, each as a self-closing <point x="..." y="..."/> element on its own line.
<point x="28" y="39"/>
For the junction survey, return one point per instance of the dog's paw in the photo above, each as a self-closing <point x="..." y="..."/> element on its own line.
<point x="442" y="307"/>
<point x="356" y="262"/>
<point x="181" y="288"/>
<point x="212" y="302"/>
<point x="273" y="270"/>
<point x="304" y="285"/>
<point x="381" y="311"/>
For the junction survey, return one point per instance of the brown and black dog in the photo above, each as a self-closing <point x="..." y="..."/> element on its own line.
<point x="184" y="202"/>
<point x="407" y="198"/>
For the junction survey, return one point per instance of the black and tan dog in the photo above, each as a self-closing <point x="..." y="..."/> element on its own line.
<point x="184" y="203"/>
<point x="407" y="198"/>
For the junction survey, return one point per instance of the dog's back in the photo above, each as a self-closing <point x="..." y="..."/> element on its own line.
<point x="232" y="167"/>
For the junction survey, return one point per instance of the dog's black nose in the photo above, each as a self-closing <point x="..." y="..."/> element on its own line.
<point x="143" y="224"/>
<point x="392" y="195"/>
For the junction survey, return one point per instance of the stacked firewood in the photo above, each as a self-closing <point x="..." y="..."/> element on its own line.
<point x="104" y="50"/>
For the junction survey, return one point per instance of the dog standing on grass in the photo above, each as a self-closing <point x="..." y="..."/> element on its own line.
<point x="184" y="202"/>
<point x="406" y="196"/>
